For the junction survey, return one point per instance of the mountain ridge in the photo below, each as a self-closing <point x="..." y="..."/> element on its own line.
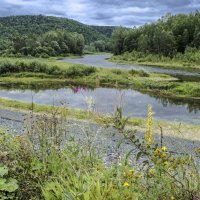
<point x="40" y="24"/>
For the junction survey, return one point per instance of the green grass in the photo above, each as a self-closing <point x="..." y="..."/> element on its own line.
<point x="180" y="62"/>
<point x="57" y="73"/>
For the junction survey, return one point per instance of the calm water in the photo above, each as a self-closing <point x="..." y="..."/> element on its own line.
<point x="100" y="61"/>
<point x="134" y="103"/>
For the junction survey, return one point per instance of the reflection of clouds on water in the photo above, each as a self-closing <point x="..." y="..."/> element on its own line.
<point x="134" y="103"/>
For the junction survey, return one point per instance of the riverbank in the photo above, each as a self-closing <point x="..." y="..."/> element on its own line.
<point x="50" y="72"/>
<point x="156" y="61"/>
<point x="176" y="130"/>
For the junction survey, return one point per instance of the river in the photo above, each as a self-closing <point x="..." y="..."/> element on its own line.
<point x="105" y="100"/>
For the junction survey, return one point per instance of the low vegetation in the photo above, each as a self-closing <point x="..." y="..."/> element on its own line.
<point x="188" y="61"/>
<point x="37" y="165"/>
<point x="47" y="72"/>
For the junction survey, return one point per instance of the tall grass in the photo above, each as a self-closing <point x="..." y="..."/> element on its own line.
<point x="46" y="166"/>
<point x="190" y="60"/>
<point x="9" y="67"/>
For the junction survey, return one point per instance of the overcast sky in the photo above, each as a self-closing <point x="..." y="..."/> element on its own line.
<point x="101" y="12"/>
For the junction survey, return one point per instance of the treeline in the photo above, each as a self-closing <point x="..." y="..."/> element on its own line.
<point x="169" y="36"/>
<point x="53" y="43"/>
<point x="98" y="46"/>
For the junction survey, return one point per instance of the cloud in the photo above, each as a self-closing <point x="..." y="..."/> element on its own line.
<point x="101" y="12"/>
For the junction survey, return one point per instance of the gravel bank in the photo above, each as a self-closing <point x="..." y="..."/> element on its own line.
<point x="92" y="134"/>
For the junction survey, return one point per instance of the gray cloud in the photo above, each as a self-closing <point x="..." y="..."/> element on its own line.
<point x="101" y="12"/>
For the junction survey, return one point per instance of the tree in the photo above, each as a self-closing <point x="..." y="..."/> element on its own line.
<point x="118" y="38"/>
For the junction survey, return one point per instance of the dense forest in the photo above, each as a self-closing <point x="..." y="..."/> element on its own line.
<point x="44" y="36"/>
<point x="169" y="36"/>
<point x="52" y="43"/>
<point x="38" y="25"/>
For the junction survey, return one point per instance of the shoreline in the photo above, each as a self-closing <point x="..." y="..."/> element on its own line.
<point x="170" y="128"/>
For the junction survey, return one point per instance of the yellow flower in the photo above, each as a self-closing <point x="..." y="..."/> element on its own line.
<point x="166" y="164"/>
<point x="157" y="152"/>
<point x="151" y="172"/>
<point x="126" y="184"/>
<point x="164" y="155"/>
<point x="164" y="148"/>
<point x="172" y="198"/>
<point x="148" y="135"/>
<point x="130" y="172"/>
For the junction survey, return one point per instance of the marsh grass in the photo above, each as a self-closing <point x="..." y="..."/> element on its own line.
<point x="48" y="72"/>
<point x="188" y="61"/>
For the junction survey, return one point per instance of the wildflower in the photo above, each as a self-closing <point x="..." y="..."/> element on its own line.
<point x="166" y="164"/>
<point x="163" y="155"/>
<point x="130" y="172"/>
<point x="157" y="152"/>
<point x="164" y="148"/>
<point x="151" y="172"/>
<point x="126" y="184"/>
<point x="172" y="198"/>
<point x="148" y="135"/>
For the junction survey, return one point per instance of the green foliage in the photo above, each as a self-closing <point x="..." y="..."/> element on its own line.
<point x="105" y="30"/>
<point x="45" y="36"/>
<point x="13" y="26"/>
<point x="98" y="46"/>
<point x="140" y="73"/>
<point x="53" y="43"/>
<point x="170" y="35"/>
<point x="8" y="186"/>
<point x="26" y="69"/>
<point x="46" y="168"/>
<point x="80" y="71"/>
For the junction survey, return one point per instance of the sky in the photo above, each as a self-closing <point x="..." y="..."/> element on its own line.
<point x="128" y="13"/>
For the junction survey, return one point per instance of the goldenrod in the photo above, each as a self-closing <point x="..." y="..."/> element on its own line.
<point x="148" y="135"/>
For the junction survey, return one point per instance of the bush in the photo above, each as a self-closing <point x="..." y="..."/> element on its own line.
<point x="79" y="71"/>
<point x="141" y="73"/>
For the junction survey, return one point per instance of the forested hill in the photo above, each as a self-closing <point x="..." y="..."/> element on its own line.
<point x="105" y="30"/>
<point x="30" y="24"/>
<point x="169" y="36"/>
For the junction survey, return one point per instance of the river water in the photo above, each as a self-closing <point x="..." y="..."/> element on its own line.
<point x="105" y="100"/>
<point x="101" y="61"/>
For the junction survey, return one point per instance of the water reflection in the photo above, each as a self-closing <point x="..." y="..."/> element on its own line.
<point x="134" y="103"/>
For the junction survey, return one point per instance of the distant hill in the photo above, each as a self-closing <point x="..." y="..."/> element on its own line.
<point x="37" y="24"/>
<point x="105" y="30"/>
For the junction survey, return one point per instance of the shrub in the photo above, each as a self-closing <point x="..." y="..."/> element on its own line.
<point x="141" y="73"/>
<point x="79" y="71"/>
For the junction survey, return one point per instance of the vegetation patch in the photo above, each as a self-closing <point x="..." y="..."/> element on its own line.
<point x="36" y="165"/>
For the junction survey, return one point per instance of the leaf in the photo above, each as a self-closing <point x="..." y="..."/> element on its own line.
<point x="128" y="154"/>
<point x="139" y="154"/>
<point x="8" y="186"/>
<point x="3" y="171"/>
